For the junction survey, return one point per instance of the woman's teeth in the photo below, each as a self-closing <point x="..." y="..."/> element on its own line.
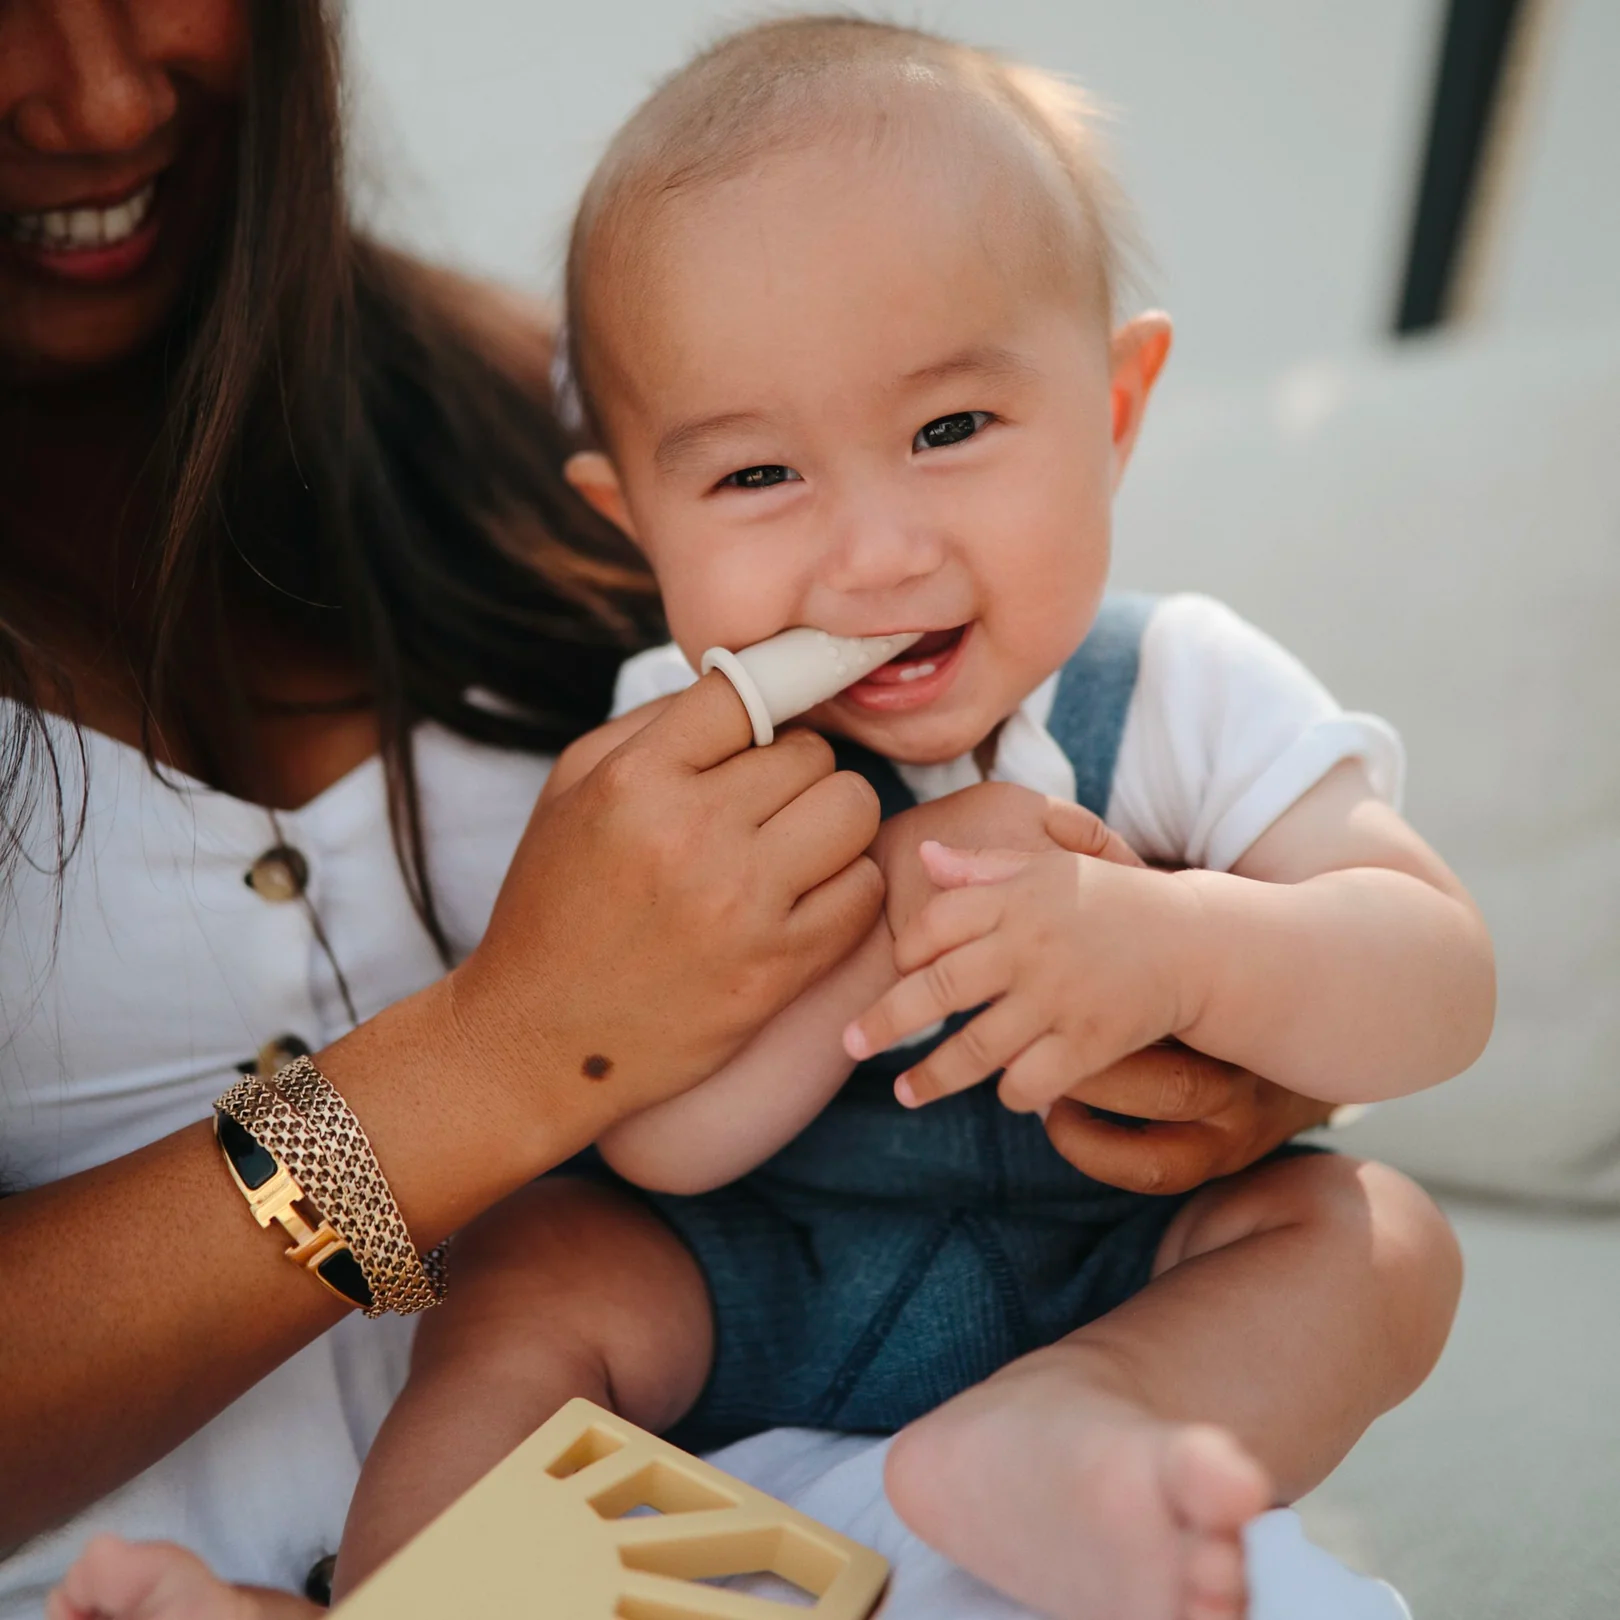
<point x="76" y="230"/>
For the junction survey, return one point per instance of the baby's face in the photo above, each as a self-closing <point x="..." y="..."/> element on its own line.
<point x="836" y="405"/>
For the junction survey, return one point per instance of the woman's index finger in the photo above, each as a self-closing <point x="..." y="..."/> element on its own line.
<point x="701" y="727"/>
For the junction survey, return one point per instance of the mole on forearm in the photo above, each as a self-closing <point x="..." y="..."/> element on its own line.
<point x="596" y="1067"/>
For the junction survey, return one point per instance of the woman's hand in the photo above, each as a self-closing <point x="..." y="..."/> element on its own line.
<point x="666" y="905"/>
<point x="1174" y="1119"/>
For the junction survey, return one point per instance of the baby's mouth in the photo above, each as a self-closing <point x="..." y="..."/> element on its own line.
<point x="920" y="660"/>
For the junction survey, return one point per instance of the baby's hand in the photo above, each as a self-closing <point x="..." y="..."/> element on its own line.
<point x="988" y="816"/>
<point x="154" y="1580"/>
<point x="1084" y="959"/>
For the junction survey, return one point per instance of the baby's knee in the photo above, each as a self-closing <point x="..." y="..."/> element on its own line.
<point x="1371" y="1224"/>
<point x="1387" y="1228"/>
<point x="1374" y="1211"/>
<point x="1317" y="1190"/>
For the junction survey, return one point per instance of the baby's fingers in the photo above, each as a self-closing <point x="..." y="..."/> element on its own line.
<point x="1040" y="1074"/>
<point x="973" y="1053"/>
<point x="949" y="920"/>
<point x="951" y="868"/>
<point x="956" y="982"/>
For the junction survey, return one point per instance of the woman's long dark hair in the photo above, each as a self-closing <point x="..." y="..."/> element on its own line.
<point x="341" y="437"/>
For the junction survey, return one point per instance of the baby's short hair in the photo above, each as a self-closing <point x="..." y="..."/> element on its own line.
<point x="790" y="83"/>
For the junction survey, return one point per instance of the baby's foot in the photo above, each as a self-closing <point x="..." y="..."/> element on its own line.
<point x="153" y="1580"/>
<point x="1077" y="1502"/>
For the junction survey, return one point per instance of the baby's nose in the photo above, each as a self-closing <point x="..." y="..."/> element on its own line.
<point x="876" y="550"/>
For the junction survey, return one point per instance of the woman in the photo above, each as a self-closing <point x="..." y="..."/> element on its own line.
<point x="293" y="610"/>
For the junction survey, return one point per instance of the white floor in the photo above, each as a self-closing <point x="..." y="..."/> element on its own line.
<point x="1494" y="1493"/>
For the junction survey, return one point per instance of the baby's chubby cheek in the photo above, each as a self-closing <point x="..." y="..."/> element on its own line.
<point x="730" y="607"/>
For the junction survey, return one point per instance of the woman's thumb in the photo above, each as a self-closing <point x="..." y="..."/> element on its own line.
<point x="951" y="868"/>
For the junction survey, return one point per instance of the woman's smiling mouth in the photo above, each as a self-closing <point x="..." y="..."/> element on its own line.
<point x="92" y="243"/>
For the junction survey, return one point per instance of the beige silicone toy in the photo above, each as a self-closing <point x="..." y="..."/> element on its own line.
<point x="792" y="672"/>
<point x="552" y="1534"/>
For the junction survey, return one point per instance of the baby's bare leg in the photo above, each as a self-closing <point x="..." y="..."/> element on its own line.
<point x="1290" y="1307"/>
<point x="565" y="1289"/>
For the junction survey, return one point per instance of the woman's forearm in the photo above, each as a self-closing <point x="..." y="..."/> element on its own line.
<point x="141" y="1298"/>
<point x="765" y="1096"/>
<point x="1351" y="986"/>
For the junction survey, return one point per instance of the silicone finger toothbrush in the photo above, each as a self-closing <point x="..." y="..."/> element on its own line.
<point x="794" y="671"/>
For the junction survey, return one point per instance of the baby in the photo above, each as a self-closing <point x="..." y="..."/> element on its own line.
<point x="843" y="334"/>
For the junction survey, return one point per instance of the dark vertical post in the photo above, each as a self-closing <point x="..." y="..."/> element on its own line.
<point x="1478" y="38"/>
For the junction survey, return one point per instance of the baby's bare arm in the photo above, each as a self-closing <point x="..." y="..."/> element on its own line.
<point x="764" y="1097"/>
<point x="1340" y="958"/>
<point x="1357" y="967"/>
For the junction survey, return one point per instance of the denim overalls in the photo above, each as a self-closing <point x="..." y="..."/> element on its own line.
<point x="885" y="1259"/>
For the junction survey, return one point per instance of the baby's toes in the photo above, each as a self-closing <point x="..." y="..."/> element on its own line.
<point x="1215" y="1588"/>
<point x="1214" y="1485"/>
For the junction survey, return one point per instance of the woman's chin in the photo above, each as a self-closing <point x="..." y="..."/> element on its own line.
<point x="51" y="334"/>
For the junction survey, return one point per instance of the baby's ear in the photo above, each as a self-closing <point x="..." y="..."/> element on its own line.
<point x="597" y="479"/>
<point x="1137" y="355"/>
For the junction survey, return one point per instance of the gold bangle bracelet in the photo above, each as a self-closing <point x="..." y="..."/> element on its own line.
<point x="273" y="1195"/>
<point x="410" y="1281"/>
<point x="331" y="1159"/>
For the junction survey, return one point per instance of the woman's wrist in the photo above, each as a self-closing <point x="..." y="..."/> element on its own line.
<point x="455" y="1121"/>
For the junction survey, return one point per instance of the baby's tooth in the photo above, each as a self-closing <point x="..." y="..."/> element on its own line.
<point x="915" y="672"/>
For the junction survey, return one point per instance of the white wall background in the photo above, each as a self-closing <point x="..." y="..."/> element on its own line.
<point x="1270" y="145"/>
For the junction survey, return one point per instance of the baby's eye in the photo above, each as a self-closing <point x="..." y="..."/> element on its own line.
<point x="945" y="430"/>
<point x="758" y="477"/>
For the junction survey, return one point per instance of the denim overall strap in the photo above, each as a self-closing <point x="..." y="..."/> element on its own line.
<point x="1094" y="695"/>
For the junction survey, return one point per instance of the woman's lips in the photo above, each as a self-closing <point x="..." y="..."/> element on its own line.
<point x="86" y="244"/>
<point x="914" y="679"/>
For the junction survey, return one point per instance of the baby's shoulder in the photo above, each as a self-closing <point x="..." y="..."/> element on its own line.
<point x="1199" y="661"/>
<point x="1225" y="730"/>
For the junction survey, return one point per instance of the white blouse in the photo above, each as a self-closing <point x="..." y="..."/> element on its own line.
<point x="171" y="952"/>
